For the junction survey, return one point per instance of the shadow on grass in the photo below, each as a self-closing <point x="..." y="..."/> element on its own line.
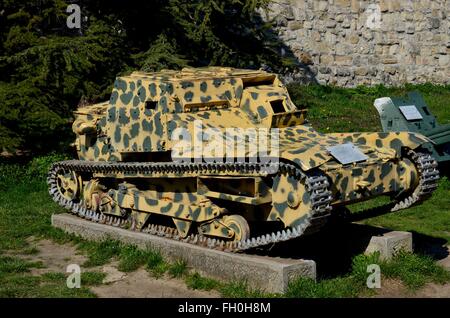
<point x="334" y="247"/>
<point x="434" y="247"/>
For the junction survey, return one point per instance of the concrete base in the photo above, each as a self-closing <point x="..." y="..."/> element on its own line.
<point x="265" y="273"/>
<point x="390" y="243"/>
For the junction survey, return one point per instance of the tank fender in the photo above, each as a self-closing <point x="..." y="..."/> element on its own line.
<point x="389" y="140"/>
<point x="310" y="151"/>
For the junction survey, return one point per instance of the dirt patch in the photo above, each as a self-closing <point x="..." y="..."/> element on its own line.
<point x="140" y="284"/>
<point x="434" y="291"/>
<point x="391" y="288"/>
<point x="56" y="257"/>
<point x="112" y="274"/>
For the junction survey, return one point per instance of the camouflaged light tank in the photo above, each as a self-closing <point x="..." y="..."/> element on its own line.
<point x="126" y="176"/>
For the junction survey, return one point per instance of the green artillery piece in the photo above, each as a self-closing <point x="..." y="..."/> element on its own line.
<point x="412" y="114"/>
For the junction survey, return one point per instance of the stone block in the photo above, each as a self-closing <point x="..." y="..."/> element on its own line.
<point x="320" y="5"/>
<point x="355" y="6"/>
<point x="354" y="39"/>
<point x="295" y="25"/>
<point x="326" y="59"/>
<point x="390" y="243"/>
<point x="361" y="71"/>
<point x="343" y="3"/>
<point x="434" y="23"/>
<point x="343" y="59"/>
<point x="444" y="60"/>
<point x="331" y="24"/>
<point x="390" y="60"/>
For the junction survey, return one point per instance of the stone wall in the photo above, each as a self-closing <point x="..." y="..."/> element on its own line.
<point x="353" y="42"/>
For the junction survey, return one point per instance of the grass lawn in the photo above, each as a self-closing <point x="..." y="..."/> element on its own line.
<point x="333" y="109"/>
<point x="25" y="210"/>
<point x="431" y="218"/>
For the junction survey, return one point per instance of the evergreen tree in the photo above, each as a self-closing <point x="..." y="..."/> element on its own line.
<point x="47" y="68"/>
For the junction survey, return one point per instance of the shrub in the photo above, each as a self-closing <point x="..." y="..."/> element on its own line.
<point x="38" y="167"/>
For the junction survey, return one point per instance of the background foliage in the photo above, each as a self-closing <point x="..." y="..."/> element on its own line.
<point x="46" y="69"/>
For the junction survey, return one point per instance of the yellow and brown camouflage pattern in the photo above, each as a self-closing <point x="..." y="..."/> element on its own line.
<point x="145" y="108"/>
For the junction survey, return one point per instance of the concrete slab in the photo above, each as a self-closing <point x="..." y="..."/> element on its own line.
<point x="390" y="243"/>
<point x="265" y="273"/>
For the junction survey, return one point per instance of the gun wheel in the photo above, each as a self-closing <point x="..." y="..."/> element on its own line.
<point x="239" y="226"/>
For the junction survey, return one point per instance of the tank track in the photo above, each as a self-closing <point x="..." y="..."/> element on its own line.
<point x="428" y="180"/>
<point x="317" y="185"/>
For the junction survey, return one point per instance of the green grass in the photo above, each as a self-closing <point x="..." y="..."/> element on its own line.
<point x="100" y="253"/>
<point x="156" y="263"/>
<point x="196" y="281"/>
<point x="241" y="290"/>
<point x="24" y="211"/>
<point x="233" y="289"/>
<point x="431" y="218"/>
<point x="87" y="278"/>
<point x="334" y="288"/>
<point x="413" y="270"/>
<point x="16" y="281"/>
<point x="178" y="269"/>
<point x="131" y="258"/>
<point x="53" y="277"/>
<point x="29" y="251"/>
<point x="92" y="278"/>
<point x="10" y="264"/>
<point x="350" y="285"/>
<point x="334" y="109"/>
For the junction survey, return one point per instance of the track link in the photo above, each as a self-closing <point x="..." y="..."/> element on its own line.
<point x="428" y="180"/>
<point x="317" y="185"/>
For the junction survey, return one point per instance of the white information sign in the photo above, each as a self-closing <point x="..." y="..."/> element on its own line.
<point x="410" y="112"/>
<point x="347" y="153"/>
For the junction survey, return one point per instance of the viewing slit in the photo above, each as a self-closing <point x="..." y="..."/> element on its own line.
<point x="277" y="106"/>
